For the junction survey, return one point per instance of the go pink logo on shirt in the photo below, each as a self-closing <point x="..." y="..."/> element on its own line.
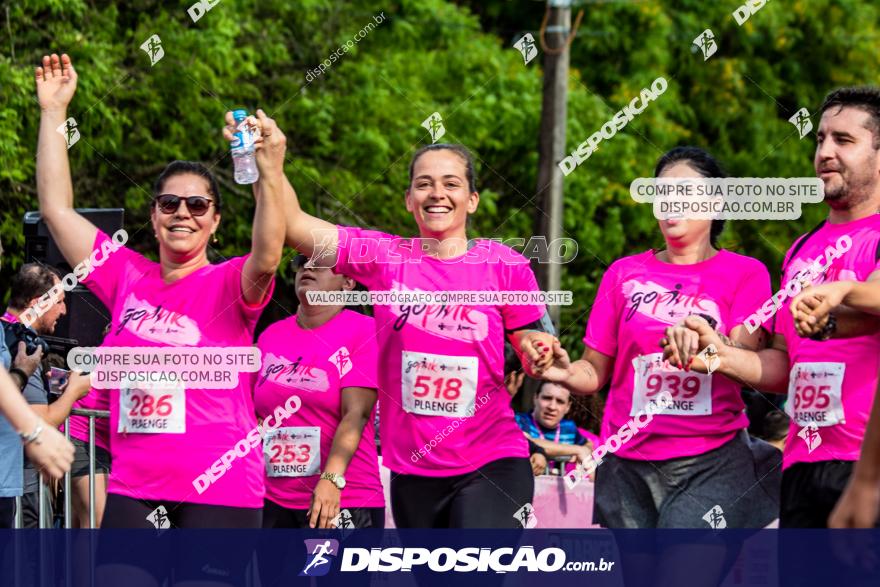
<point x="666" y="305"/>
<point x="449" y="321"/>
<point x="157" y="324"/>
<point x="293" y="374"/>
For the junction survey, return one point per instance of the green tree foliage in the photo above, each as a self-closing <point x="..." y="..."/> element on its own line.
<point x="352" y="130"/>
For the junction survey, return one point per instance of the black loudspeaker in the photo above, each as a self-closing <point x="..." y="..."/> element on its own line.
<point x="86" y="316"/>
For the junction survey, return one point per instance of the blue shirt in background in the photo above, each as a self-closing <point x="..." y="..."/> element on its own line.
<point x="11" y="462"/>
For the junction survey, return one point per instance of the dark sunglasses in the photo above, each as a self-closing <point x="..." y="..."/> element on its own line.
<point x="197" y="205"/>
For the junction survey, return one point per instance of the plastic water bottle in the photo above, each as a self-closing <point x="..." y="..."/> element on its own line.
<point x="242" y="147"/>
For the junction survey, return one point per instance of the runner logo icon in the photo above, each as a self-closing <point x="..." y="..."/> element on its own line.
<point x="526" y="516"/>
<point x="159" y="518"/>
<point x="321" y="553"/>
<point x="715" y="518"/>
<point x="810" y="434"/>
<point x="526" y="46"/>
<point x="801" y="121"/>
<point x="709" y="356"/>
<point x="706" y="43"/>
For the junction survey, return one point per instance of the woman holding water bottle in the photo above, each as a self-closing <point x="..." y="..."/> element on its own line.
<point x="182" y="302"/>
<point x="447" y="429"/>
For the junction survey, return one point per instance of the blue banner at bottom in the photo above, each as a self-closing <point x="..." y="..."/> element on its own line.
<point x="557" y="558"/>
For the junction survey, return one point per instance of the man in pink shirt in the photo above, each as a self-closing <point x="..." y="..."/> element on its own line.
<point x="831" y="377"/>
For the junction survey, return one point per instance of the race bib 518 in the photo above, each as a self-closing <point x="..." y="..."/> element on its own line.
<point x="439" y="385"/>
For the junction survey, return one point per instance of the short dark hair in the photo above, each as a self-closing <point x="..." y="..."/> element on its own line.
<point x="866" y="98"/>
<point x="33" y="280"/>
<point x="775" y="426"/>
<point x="540" y="388"/>
<point x="183" y="167"/>
<point x="459" y="150"/>
<point x="704" y="164"/>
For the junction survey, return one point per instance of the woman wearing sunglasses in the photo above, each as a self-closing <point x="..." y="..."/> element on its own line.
<point x="163" y="440"/>
<point x="322" y="457"/>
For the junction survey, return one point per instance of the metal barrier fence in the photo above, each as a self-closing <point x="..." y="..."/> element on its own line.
<point x="43" y="493"/>
<point x="92" y="415"/>
<point x="561" y="461"/>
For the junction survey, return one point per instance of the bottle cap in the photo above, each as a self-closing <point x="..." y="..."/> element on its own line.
<point x="239" y="114"/>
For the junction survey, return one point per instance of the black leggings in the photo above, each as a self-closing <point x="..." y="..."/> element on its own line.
<point x="127" y="512"/>
<point x="190" y="559"/>
<point x="7" y="513"/>
<point x="489" y="497"/>
<point x="277" y="516"/>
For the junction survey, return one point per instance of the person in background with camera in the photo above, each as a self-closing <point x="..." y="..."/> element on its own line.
<point x="19" y="424"/>
<point x="28" y="285"/>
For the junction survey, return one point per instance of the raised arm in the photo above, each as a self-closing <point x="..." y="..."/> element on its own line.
<point x="313" y="237"/>
<point x="56" y="84"/>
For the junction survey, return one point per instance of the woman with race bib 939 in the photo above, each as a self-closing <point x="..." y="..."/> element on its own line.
<point x="675" y="469"/>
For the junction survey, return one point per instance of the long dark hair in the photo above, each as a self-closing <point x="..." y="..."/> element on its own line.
<point x="703" y="163"/>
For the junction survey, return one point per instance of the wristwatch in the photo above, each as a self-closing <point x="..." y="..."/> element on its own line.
<point x="335" y="479"/>
<point x="827" y="331"/>
<point x="712" y="321"/>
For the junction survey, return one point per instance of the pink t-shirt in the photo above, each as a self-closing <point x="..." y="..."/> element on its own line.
<point x="444" y="408"/>
<point x="316" y="365"/>
<point x="204" y="309"/>
<point x="836" y="379"/>
<point x="638" y="298"/>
